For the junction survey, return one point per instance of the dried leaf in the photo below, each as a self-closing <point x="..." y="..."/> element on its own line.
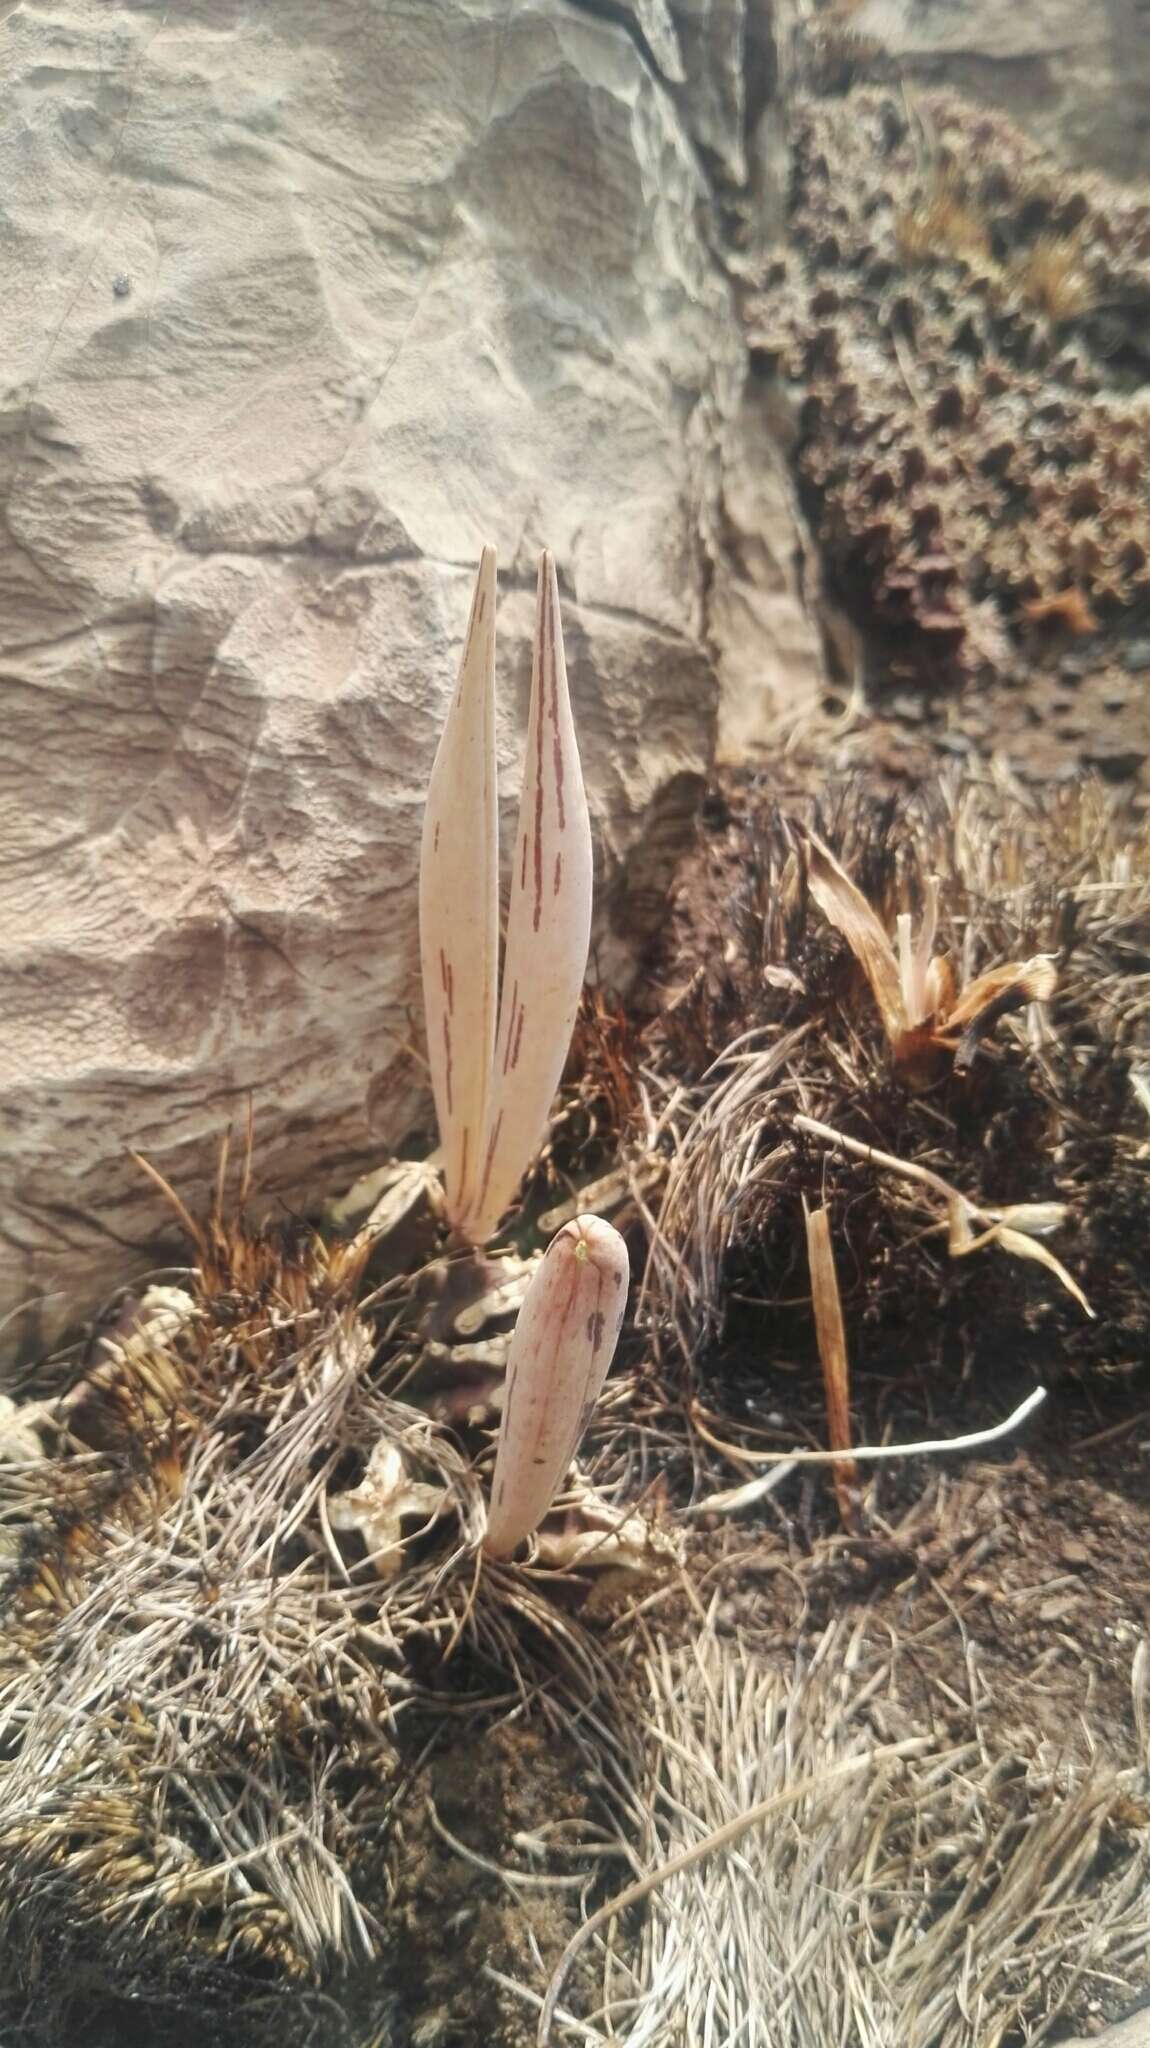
<point x="832" y="1342"/>
<point x="941" y="989"/>
<point x="1020" y="1246"/>
<point x="548" y="928"/>
<point x="961" y="1239"/>
<point x="377" y="1508"/>
<point x="459" y="904"/>
<point x="1037" y="1219"/>
<point x="994" y="995"/>
<point x="845" y="906"/>
<point x="589" y="1531"/>
<point x="563" y="1344"/>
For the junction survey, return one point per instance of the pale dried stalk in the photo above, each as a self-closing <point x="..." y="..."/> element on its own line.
<point x="832" y="1341"/>
<point x="563" y="1343"/>
<point x="459" y="905"/>
<point x="1012" y="1229"/>
<point x="737" y="1497"/>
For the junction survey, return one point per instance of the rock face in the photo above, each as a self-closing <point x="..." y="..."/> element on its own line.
<point x="301" y="305"/>
<point x="1076" y="76"/>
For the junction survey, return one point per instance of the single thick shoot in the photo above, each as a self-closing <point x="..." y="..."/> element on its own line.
<point x="560" y="1352"/>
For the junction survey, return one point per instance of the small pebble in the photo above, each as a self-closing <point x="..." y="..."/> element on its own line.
<point x="1137" y="657"/>
<point x="1073" y="1551"/>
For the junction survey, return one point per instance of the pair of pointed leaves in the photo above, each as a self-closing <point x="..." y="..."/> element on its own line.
<point x="496" y="1057"/>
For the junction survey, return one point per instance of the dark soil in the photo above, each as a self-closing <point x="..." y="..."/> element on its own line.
<point x="1067" y="710"/>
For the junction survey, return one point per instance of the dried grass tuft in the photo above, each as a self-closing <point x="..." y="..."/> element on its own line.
<point x="957" y="1892"/>
<point x="1037" y="1129"/>
<point x="943" y="222"/>
<point x="1053" y="276"/>
<point x="203" y="1690"/>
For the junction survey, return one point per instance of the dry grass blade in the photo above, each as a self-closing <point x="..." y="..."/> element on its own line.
<point x="1019" y="1244"/>
<point x="832" y="1341"/>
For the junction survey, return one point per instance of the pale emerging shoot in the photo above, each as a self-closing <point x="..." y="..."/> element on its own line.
<point x="494" y="1087"/>
<point x="562" y="1345"/>
<point x="459" y="905"/>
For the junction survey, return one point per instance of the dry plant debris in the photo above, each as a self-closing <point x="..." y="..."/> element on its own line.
<point x="1036" y="1134"/>
<point x="921" y="1008"/>
<point x="830" y="1333"/>
<point x="245" y="1590"/>
<point x="921" y="1899"/>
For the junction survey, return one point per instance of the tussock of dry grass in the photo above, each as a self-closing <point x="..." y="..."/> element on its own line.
<point x="1051" y="1111"/>
<point x="943" y="222"/>
<point x="200" y="1691"/>
<point x="954" y="1895"/>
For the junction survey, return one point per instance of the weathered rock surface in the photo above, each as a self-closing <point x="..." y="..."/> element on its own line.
<point x="1077" y="76"/>
<point x="300" y="305"/>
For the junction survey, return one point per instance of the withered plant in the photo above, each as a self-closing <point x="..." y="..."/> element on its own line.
<point x="1053" y="275"/>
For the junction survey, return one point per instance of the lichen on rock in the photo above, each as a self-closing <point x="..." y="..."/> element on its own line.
<point x="963" y="322"/>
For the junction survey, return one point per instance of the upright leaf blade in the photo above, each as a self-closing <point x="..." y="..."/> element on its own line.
<point x="459" y="905"/>
<point x="548" y="927"/>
